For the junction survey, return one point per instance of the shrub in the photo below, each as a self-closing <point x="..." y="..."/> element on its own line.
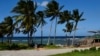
<point x="75" y="51"/>
<point x="3" y="47"/>
<point x="6" y="46"/>
<point x="22" y="46"/>
<point x="93" y="49"/>
<point x="13" y="47"/>
<point x="51" y="46"/>
<point x="99" y="49"/>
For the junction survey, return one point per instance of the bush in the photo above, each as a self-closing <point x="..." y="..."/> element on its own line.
<point x="3" y="47"/>
<point x="93" y="49"/>
<point x="99" y="49"/>
<point x="18" y="46"/>
<point x="23" y="46"/>
<point x="6" y="46"/>
<point x="51" y="46"/>
<point x="13" y="47"/>
<point x="75" y="51"/>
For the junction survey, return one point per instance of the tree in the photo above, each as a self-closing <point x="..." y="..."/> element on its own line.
<point x="41" y="21"/>
<point x="7" y="28"/>
<point x="53" y="9"/>
<point x="26" y="17"/>
<point x="69" y="27"/>
<point x="76" y="17"/>
<point x="65" y="17"/>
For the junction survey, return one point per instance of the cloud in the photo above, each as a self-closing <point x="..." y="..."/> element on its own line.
<point x="43" y="4"/>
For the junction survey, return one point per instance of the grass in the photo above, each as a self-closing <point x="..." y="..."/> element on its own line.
<point x="91" y="52"/>
<point x="52" y="47"/>
<point x="6" y="46"/>
<point x="20" y="46"/>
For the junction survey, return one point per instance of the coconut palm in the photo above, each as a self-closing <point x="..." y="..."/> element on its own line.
<point x="69" y="27"/>
<point x="65" y="17"/>
<point x="8" y="27"/>
<point x="25" y="10"/>
<point x="41" y="21"/>
<point x="76" y="17"/>
<point x="53" y="9"/>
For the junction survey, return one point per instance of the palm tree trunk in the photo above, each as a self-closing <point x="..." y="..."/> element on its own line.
<point x="31" y="40"/>
<point x="66" y="39"/>
<point x="8" y="39"/>
<point x="11" y="38"/>
<point x="28" y="39"/>
<point x="2" y="40"/>
<point x="41" y="34"/>
<point x="50" y="34"/>
<point x="74" y="34"/>
<point x="55" y="31"/>
<point x="73" y="38"/>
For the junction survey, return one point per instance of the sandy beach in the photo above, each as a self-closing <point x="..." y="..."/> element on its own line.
<point x="43" y="52"/>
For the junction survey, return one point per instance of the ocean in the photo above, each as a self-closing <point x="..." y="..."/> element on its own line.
<point x="63" y="40"/>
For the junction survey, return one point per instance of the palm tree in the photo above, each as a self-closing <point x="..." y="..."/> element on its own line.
<point x="41" y="21"/>
<point x="10" y="27"/>
<point x="53" y="9"/>
<point x="26" y="17"/>
<point x="7" y="28"/>
<point x="69" y="27"/>
<point x="76" y="17"/>
<point x="65" y="17"/>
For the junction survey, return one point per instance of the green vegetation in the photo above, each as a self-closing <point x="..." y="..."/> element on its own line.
<point x="20" y="46"/>
<point x="52" y="47"/>
<point x="91" y="52"/>
<point x="6" y="46"/>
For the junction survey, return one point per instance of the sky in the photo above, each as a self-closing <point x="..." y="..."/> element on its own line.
<point x="91" y="9"/>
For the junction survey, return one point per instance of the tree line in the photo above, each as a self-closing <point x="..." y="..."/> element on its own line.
<point x="27" y="19"/>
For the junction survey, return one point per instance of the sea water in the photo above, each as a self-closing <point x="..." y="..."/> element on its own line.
<point x="63" y="40"/>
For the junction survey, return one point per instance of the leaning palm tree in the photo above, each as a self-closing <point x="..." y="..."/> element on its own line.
<point x="53" y="9"/>
<point x="41" y="21"/>
<point x="26" y="17"/>
<point x="76" y="17"/>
